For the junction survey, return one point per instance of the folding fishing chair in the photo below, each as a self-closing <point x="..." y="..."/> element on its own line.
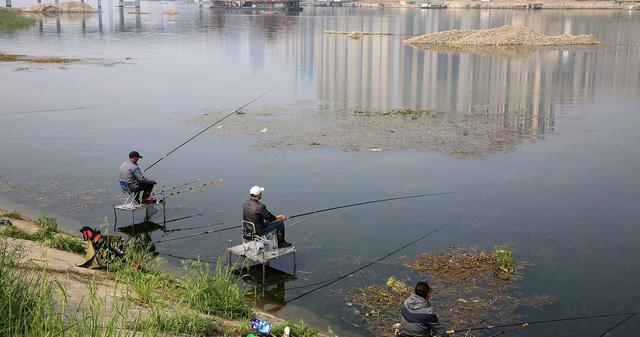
<point x="259" y="243"/>
<point x="131" y="204"/>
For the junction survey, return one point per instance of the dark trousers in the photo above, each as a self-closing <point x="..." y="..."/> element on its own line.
<point x="145" y="188"/>
<point x="273" y="226"/>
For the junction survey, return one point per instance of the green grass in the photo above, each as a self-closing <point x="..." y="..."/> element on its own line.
<point x="505" y="259"/>
<point x="11" y="19"/>
<point x="13" y="215"/>
<point x="47" y="233"/>
<point x="218" y="293"/>
<point x="189" y="324"/>
<point x="297" y="330"/>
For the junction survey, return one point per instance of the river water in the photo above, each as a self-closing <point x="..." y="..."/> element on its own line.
<point x="543" y="145"/>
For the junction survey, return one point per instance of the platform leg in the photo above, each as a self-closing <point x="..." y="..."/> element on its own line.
<point x="264" y="271"/>
<point x="164" y="213"/>
<point x="133" y="218"/>
<point x="115" y="219"/>
<point x="295" y="264"/>
<point x="229" y="259"/>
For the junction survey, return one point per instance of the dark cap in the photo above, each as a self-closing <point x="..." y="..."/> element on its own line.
<point x="134" y="154"/>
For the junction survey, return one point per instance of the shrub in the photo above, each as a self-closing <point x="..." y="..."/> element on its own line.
<point x="297" y="330"/>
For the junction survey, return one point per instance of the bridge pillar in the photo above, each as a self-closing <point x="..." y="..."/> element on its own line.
<point x="99" y="5"/>
<point x="8" y="3"/>
<point x="39" y="1"/>
<point x="57" y="2"/>
<point x="137" y="3"/>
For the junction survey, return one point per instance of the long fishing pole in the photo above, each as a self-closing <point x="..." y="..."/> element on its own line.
<point x="182" y="218"/>
<point x="372" y="262"/>
<point x="315" y="212"/>
<point x="210" y="126"/>
<point x="192" y="188"/>
<point x="169" y="231"/>
<point x="489" y="327"/>
<point x="178" y="186"/>
<point x="370" y="202"/>
<point x="46" y="110"/>
<point x="617" y="324"/>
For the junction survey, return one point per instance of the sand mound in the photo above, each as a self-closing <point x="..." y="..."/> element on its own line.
<point x="502" y="36"/>
<point x="170" y="11"/>
<point x="66" y="7"/>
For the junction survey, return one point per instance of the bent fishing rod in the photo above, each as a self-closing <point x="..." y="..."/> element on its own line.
<point x="210" y="126"/>
<point x="526" y="324"/>
<point x="330" y="282"/>
<point x="314" y="212"/>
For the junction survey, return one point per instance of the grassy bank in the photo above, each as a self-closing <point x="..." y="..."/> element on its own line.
<point x="12" y="19"/>
<point x="121" y="301"/>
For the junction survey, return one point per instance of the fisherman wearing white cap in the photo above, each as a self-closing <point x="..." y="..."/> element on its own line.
<point x="256" y="212"/>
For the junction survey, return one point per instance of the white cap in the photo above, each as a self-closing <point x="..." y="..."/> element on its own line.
<point x="255" y="190"/>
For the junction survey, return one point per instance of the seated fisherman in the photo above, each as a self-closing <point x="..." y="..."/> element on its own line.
<point x="131" y="173"/>
<point x="417" y="316"/>
<point x="255" y="212"/>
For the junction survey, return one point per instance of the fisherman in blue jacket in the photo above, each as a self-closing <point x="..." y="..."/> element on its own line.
<point x="418" y="318"/>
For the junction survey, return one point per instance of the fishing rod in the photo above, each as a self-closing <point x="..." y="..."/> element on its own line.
<point x="178" y="186"/>
<point x="618" y="324"/>
<point x="526" y="324"/>
<point x="371" y="202"/>
<point x="47" y="110"/>
<point x="182" y="218"/>
<point x="210" y="126"/>
<point x="316" y="212"/>
<point x="372" y="262"/>
<point x="169" y="231"/>
<point x="191" y="188"/>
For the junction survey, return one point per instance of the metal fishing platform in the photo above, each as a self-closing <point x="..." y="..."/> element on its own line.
<point x="132" y="205"/>
<point x="254" y="251"/>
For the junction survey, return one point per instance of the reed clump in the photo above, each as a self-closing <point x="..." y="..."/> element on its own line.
<point x="217" y="293"/>
<point x="11" y="19"/>
<point x="47" y="233"/>
<point x="13" y="215"/>
<point x="297" y="329"/>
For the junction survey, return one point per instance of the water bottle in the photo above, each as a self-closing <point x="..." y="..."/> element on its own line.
<point x="260" y="326"/>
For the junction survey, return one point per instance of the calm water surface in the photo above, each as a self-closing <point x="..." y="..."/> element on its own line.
<point x="563" y="193"/>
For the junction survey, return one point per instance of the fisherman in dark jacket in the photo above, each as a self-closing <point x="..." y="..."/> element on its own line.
<point x="255" y="212"/>
<point x="418" y="318"/>
<point x="131" y="173"/>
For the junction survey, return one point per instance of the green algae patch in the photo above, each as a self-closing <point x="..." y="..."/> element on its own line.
<point x="11" y="19"/>
<point x="29" y="59"/>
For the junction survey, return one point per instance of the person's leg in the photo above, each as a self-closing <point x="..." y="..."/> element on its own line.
<point x="273" y="226"/>
<point x="146" y="189"/>
<point x="278" y="226"/>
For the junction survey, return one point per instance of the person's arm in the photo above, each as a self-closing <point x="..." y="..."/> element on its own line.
<point x="138" y="174"/>
<point x="265" y="214"/>
<point x="437" y="329"/>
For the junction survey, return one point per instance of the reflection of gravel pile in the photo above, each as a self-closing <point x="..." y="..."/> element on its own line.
<point x="502" y="36"/>
<point x="66" y="7"/>
<point x="462" y="135"/>
<point x="354" y="34"/>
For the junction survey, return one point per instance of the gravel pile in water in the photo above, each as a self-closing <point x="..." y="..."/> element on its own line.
<point x="502" y="36"/>
<point x="66" y="7"/>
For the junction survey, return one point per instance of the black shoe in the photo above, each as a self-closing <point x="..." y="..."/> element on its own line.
<point x="284" y="244"/>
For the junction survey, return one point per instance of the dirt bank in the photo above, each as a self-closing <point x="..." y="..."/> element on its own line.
<point x="81" y="288"/>
<point x="65" y="7"/>
<point x="501" y="36"/>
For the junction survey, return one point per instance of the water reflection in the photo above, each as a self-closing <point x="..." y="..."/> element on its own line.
<point x="271" y="293"/>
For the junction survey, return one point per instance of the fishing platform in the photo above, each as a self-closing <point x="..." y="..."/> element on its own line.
<point x="132" y="205"/>
<point x="261" y="249"/>
<point x="261" y="256"/>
